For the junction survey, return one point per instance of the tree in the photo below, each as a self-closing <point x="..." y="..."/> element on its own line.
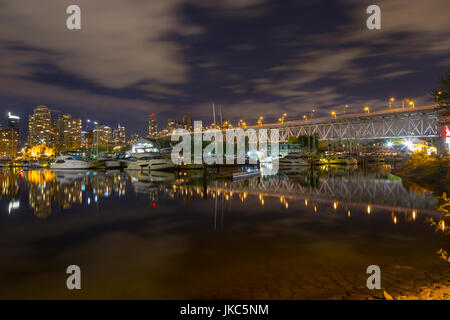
<point x="441" y="94"/>
<point x="293" y="140"/>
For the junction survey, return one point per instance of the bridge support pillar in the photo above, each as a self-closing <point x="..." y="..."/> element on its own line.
<point x="442" y="146"/>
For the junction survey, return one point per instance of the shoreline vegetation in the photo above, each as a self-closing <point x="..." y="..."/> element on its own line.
<point x="430" y="172"/>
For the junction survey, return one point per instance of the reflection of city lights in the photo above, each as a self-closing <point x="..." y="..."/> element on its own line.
<point x="315" y="209"/>
<point x="395" y="220"/>
<point x="348" y="212"/>
<point x="306" y="202"/>
<point x="369" y="209"/>
<point x="13" y="205"/>
<point x="335" y="205"/>
<point x="414" y="212"/>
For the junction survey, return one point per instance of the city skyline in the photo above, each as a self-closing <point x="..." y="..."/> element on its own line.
<point x="251" y="58"/>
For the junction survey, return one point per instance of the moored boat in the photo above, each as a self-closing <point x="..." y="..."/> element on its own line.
<point x="67" y="162"/>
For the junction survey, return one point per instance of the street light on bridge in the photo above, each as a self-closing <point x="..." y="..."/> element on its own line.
<point x="367" y="109"/>
<point x="408" y="101"/>
<point x="390" y="102"/>
<point x="305" y="117"/>
<point x="260" y="120"/>
<point x="345" y="107"/>
<point x="333" y="113"/>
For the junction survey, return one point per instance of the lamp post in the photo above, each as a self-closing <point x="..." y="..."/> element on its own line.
<point x="345" y="108"/>
<point x="390" y="102"/>
<point x="333" y="113"/>
<point x="260" y="120"/>
<point x="312" y="113"/>
<point x="305" y="117"/>
<point x="367" y="108"/>
<point x="403" y="103"/>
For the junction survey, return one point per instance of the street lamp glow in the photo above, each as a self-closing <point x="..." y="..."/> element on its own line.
<point x="390" y="102"/>
<point x="367" y="109"/>
<point x="408" y="144"/>
<point x="333" y="113"/>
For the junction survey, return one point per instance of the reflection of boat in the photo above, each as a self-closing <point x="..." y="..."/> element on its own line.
<point x="293" y="160"/>
<point x="68" y="176"/>
<point x="153" y="176"/>
<point x="69" y="163"/>
<point x="150" y="161"/>
<point x="31" y="164"/>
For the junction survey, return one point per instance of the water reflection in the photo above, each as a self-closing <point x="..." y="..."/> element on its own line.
<point x="339" y="189"/>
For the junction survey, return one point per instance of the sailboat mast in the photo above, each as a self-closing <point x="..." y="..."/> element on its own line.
<point x="214" y="114"/>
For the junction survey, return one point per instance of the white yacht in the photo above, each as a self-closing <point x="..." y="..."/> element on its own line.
<point x="293" y="160"/>
<point x="69" y="163"/>
<point x="150" y="161"/>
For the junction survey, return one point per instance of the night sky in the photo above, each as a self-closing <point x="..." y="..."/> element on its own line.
<point x="251" y="57"/>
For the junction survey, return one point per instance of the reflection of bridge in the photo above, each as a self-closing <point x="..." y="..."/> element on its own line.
<point x="352" y="190"/>
<point x="402" y="123"/>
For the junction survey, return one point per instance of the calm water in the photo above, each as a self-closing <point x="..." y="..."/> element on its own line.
<point x="296" y="235"/>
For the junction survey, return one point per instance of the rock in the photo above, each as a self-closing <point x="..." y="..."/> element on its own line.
<point x="387" y="296"/>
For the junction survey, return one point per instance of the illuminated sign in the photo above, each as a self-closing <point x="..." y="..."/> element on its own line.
<point x="10" y="116"/>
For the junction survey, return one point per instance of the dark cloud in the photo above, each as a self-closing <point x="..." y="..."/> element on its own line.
<point x="253" y="57"/>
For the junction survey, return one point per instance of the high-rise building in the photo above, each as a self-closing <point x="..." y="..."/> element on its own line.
<point x="152" y="125"/>
<point x="89" y="139"/>
<point x="119" y="135"/>
<point x="13" y="133"/>
<point x="76" y="134"/>
<point x="40" y="127"/>
<point x="9" y="142"/>
<point x="13" y="122"/>
<point x="173" y="124"/>
<point x="102" y="135"/>
<point x="68" y="133"/>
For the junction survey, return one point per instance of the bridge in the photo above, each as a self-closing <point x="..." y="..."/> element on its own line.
<point x="414" y="122"/>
